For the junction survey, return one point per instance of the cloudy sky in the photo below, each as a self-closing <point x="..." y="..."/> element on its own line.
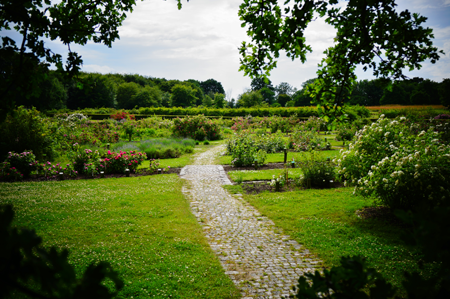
<point x="201" y="41"/>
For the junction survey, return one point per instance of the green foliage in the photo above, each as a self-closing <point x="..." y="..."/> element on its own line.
<point x="250" y="99"/>
<point x="401" y="169"/>
<point x="213" y="86"/>
<point x="283" y="99"/>
<point x="245" y="152"/>
<point x="159" y="148"/>
<point x="91" y="91"/>
<point x="444" y="92"/>
<point x="197" y="127"/>
<point x="306" y="140"/>
<point x="9" y="173"/>
<point x="29" y="269"/>
<point x="183" y="96"/>
<point x="349" y="280"/>
<point x="361" y="27"/>
<point x="26" y="130"/>
<point x="125" y="94"/>
<point x="270" y="143"/>
<point x="24" y="162"/>
<point x="219" y="101"/>
<point x="147" y="97"/>
<point x="78" y="22"/>
<point x="316" y="171"/>
<point x="346" y="131"/>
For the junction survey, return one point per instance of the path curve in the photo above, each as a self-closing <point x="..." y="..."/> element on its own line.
<point x="261" y="261"/>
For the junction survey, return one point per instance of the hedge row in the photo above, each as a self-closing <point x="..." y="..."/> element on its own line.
<point x="225" y="112"/>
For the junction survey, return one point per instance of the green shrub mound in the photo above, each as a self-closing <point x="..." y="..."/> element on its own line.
<point x="244" y="151"/>
<point x="159" y="148"/>
<point x="197" y="127"/>
<point x="400" y="168"/>
<point x="317" y="172"/>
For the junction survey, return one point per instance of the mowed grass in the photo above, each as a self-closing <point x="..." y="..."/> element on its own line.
<point x="183" y="160"/>
<point x="325" y="222"/>
<point x="257" y="175"/>
<point x="142" y="226"/>
<point x="279" y="157"/>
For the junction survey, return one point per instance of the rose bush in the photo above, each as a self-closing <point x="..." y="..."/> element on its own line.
<point x="197" y="127"/>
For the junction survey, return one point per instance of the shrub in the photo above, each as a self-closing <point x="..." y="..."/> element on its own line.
<point x="346" y="131"/>
<point x="316" y="172"/>
<point x="315" y="123"/>
<point x="84" y="160"/>
<point x="24" y="162"/>
<point x="26" y="130"/>
<point x="117" y="162"/>
<point x="197" y="127"/>
<point x="48" y="169"/>
<point x="9" y="173"/>
<point x="122" y="115"/>
<point x="244" y="152"/>
<point x="401" y="169"/>
<point x="278" y="181"/>
<point x="306" y="140"/>
<point x="153" y="165"/>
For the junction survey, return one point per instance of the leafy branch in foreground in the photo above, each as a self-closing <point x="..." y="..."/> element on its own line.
<point x="369" y="33"/>
<point x="27" y="268"/>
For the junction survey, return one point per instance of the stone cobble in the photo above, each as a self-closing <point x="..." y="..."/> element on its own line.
<point x="260" y="260"/>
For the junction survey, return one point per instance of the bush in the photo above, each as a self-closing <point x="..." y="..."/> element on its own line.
<point x="346" y="131"/>
<point x="401" y="169"/>
<point x="24" y="162"/>
<point x="122" y="115"/>
<point x="9" y="173"/>
<point x="26" y="130"/>
<point x="48" y="169"/>
<point x="117" y="162"/>
<point x="244" y="152"/>
<point x="306" y="140"/>
<point x="197" y="127"/>
<point x="316" y="172"/>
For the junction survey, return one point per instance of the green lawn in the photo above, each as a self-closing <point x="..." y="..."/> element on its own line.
<point x="256" y="175"/>
<point x="325" y="222"/>
<point x="142" y="226"/>
<point x="279" y="157"/>
<point x="185" y="159"/>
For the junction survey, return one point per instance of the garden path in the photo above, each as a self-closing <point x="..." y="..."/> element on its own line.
<point x="261" y="261"/>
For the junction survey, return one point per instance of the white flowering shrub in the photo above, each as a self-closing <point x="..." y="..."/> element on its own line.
<point x="400" y="168"/>
<point x="76" y="118"/>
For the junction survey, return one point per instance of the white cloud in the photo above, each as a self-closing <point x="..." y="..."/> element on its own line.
<point x="93" y="68"/>
<point x="201" y="41"/>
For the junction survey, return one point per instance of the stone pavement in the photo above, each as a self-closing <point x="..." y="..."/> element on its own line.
<point x="260" y="260"/>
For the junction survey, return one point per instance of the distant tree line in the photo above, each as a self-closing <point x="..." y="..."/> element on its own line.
<point x="415" y="91"/>
<point x="128" y="91"/>
<point x="123" y="91"/>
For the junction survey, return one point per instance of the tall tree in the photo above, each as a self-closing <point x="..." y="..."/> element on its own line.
<point x="285" y="88"/>
<point x="370" y="33"/>
<point x="260" y="83"/>
<point x="213" y="86"/>
<point x="250" y="99"/>
<point x="444" y="92"/>
<point x="65" y="21"/>
<point x="183" y="96"/>
<point x="126" y="93"/>
<point x="95" y="91"/>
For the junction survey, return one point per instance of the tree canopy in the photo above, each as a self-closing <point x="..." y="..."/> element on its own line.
<point x="370" y="33"/>
<point x="67" y="21"/>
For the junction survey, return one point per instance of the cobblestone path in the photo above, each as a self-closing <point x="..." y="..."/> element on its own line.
<point x="260" y="260"/>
